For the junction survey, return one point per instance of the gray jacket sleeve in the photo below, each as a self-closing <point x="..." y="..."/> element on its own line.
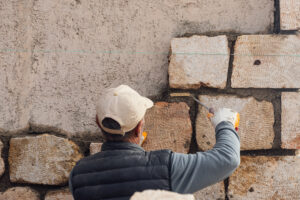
<point x="192" y="172"/>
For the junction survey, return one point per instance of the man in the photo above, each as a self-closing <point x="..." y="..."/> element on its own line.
<point x="123" y="167"/>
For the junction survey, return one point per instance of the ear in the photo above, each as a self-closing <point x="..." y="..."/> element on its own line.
<point x="97" y="122"/>
<point x="138" y="128"/>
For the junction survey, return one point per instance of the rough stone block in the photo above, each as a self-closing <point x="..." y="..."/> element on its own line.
<point x="160" y="195"/>
<point x="262" y="177"/>
<point x="289" y="14"/>
<point x="266" y="61"/>
<point x="95" y="147"/>
<point x="256" y="124"/>
<point x="290" y="120"/>
<point x="20" y="193"/>
<point x="2" y="165"/>
<point x="43" y="159"/>
<point x="215" y="191"/>
<point x="199" y="61"/>
<point x="168" y="126"/>
<point x="59" y="195"/>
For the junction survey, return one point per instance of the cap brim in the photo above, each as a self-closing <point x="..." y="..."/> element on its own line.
<point x="148" y="102"/>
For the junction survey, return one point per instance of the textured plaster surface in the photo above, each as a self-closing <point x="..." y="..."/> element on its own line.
<point x="57" y="56"/>
<point x="289" y="14"/>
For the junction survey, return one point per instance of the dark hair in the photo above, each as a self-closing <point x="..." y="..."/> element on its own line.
<point x="112" y="124"/>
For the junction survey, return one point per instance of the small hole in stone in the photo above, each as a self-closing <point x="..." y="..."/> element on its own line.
<point x="251" y="189"/>
<point x="257" y="62"/>
<point x="208" y="143"/>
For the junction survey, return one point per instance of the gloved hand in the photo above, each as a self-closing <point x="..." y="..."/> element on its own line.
<point x="225" y="114"/>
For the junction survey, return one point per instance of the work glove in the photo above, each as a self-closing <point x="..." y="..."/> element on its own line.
<point x="225" y="114"/>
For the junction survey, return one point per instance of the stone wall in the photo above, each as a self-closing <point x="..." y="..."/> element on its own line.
<point x="57" y="56"/>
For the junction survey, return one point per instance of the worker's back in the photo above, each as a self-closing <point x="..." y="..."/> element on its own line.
<point x="118" y="171"/>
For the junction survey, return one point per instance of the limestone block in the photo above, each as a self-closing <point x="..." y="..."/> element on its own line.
<point x="160" y="195"/>
<point x="168" y="126"/>
<point x="43" y="159"/>
<point x="290" y="120"/>
<point x="262" y="177"/>
<point x="95" y="147"/>
<point x="289" y="14"/>
<point x="266" y="61"/>
<point x="215" y="191"/>
<point x="256" y="124"/>
<point x="20" y="193"/>
<point x="59" y="195"/>
<point x="199" y="61"/>
<point x="2" y="165"/>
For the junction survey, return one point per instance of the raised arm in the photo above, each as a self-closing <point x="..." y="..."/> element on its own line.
<point x="192" y="172"/>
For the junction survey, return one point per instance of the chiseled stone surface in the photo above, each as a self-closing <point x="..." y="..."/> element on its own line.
<point x="168" y="126"/>
<point x="59" y="195"/>
<point x="256" y="124"/>
<point x="266" y="61"/>
<point x="56" y="56"/>
<point x="199" y="61"/>
<point x="290" y="120"/>
<point x="43" y="159"/>
<point x="215" y="191"/>
<point x="289" y="14"/>
<point x="2" y="165"/>
<point x="263" y="177"/>
<point x="95" y="147"/>
<point x="160" y="195"/>
<point x="20" y="193"/>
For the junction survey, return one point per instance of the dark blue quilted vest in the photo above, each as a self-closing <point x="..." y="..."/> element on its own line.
<point x="120" y="170"/>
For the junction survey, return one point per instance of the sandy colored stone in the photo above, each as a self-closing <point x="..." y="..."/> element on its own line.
<point x="20" y="193"/>
<point x="168" y="126"/>
<point x="43" y="159"/>
<point x="57" y="56"/>
<point x="2" y="165"/>
<point x="266" y="61"/>
<point x="59" y="195"/>
<point x="290" y="120"/>
<point x="256" y="124"/>
<point x="199" y="61"/>
<point x="215" y="191"/>
<point x="95" y="147"/>
<point x="265" y="178"/>
<point x="160" y="195"/>
<point x="289" y="14"/>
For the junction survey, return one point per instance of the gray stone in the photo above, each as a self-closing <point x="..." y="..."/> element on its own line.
<point x="266" y="177"/>
<point x="289" y="14"/>
<point x="290" y="120"/>
<point x="20" y="193"/>
<point x="59" y="195"/>
<point x="199" y="61"/>
<point x="43" y="159"/>
<point x="266" y="61"/>
<point x="256" y="124"/>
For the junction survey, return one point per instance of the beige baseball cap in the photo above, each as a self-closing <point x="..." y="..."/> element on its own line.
<point x="124" y="105"/>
